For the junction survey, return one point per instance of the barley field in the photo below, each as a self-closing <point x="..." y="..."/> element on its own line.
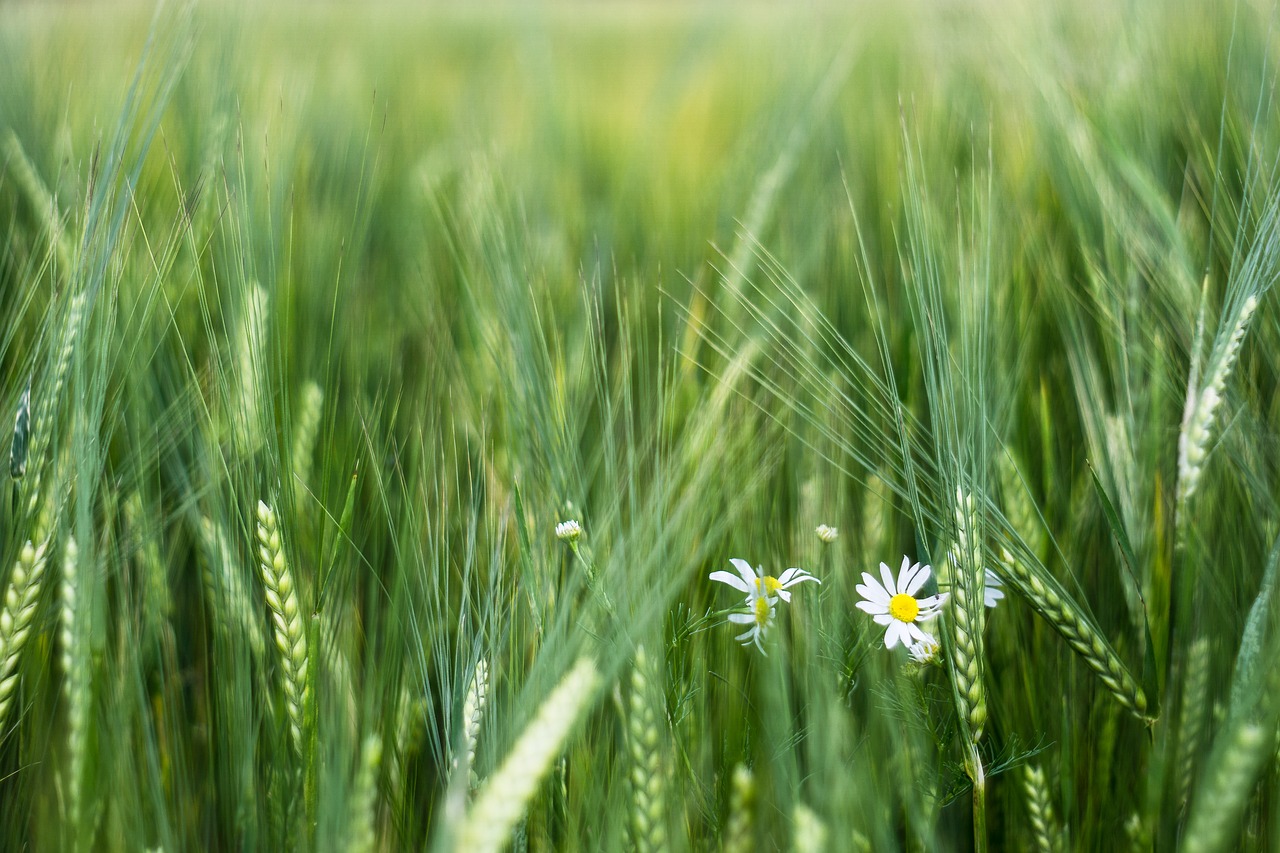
<point x="640" y="426"/>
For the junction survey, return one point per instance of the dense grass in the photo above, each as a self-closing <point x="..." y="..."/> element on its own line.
<point x="429" y="282"/>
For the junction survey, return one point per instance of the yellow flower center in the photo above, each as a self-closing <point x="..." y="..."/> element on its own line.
<point x="762" y="611"/>
<point x="904" y="608"/>
<point x="770" y="584"/>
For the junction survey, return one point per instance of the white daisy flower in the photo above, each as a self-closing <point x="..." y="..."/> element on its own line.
<point x="827" y="534"/>
<point x="993" y="589"/>
<point x="925" y="652"/>
<point x="568" y="531"/>
<point x="895" y="606"/>
<point x="756" y="582"/>
<point x="759" y="615"/>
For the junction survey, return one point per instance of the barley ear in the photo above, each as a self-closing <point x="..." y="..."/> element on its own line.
<point x="286" y="615"/>
<point x="1202" y="403"/>
<point x="230" y="603"/>
<point x="810" y="832"/>
<point x="1191" y="727"/>
<point x="473" y="718"/>
<point x="968" y="616"/>
<point x="364" y="798"/>
<point x="39" y="197"/>
<point x="502" y="800"/>
<point x="251" y="367"/>
<point x="1224" y="792"/>
<point x="647" y="775"/>
<point x="1065" y="616"/>
<point x="1044" y="823"/>
<point x="305" y="430"/>
<point x="75" y="670"/>
<point x="21" y="599"/>
<point x="739" y="836"/>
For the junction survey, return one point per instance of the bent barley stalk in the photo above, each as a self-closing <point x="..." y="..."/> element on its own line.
<point x="499" y="804"/>
<point x="1067" y="619"/>
<point x="282" y="598"/>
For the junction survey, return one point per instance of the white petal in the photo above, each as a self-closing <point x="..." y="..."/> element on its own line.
<point x="887" y="577"/>
<point x="744" y="569"/>
<point x="731" y="579"/>
<point x="907" y="575"/>
<point x="893" y="635"/>
<point x="872" y="607"/>
<point x="742" y="618"/>
<point x="918" y="579"/>
<point x="871" y="590"/>
<point x="791" y="577"/>
<point x="882" y="619"/>
<point x="913" y="631"/>
<point x="991" y="595"/>
<point x="784" y="595"/>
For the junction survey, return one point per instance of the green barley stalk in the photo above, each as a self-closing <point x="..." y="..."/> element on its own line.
<point x="286" y="614"/>
<point x="364" y="794"/>
<point x="500" y="803"/>
<point x="305" y="430"/>
<point x="1068" y="620"/>
<point x="229" y="600"/>
<point x="739" y="836"/>
<point x="21" y="599"/>
<point x="75" y="670"/>
<point x="1044" y="823"/>
<point x="647" y="775"/>
<point x="1191" y="728"/>
<point x="1220" y="801"/>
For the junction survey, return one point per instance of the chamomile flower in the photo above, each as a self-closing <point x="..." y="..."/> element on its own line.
<point x="895" y="605"/>
<point x="993" y="589"/>
<point x="925" y="652"/>
<point x="827" y="534"/>
<point x="759" y="615"/>
<point x="755" y="581"/>
<point x="568" y="531"/>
